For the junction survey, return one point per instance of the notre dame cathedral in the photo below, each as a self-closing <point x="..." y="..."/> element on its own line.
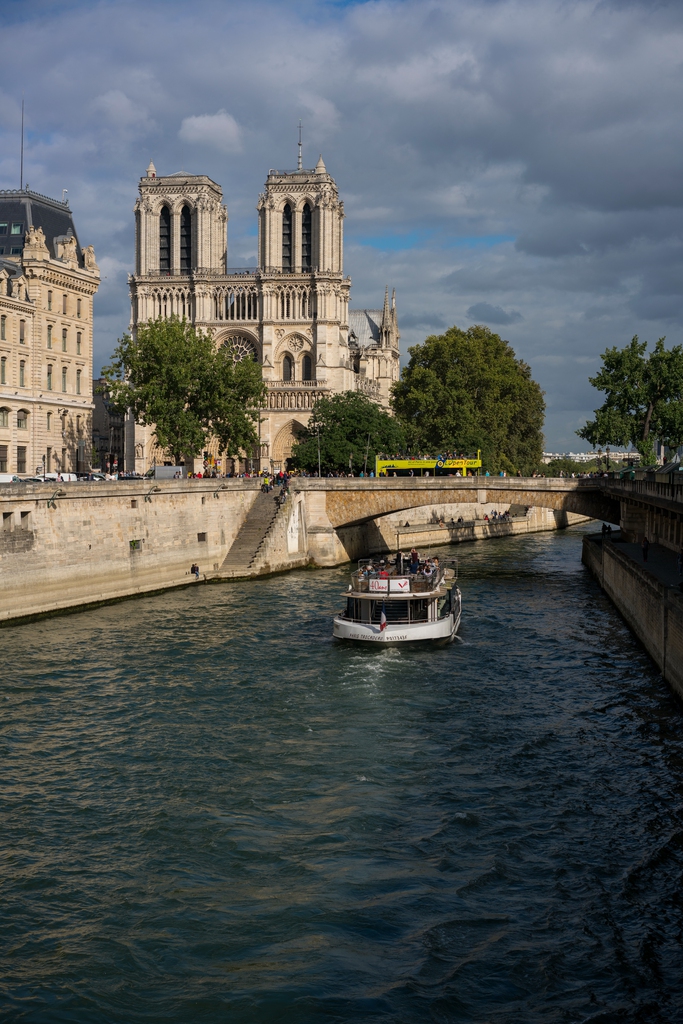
<point x="290" y="312"/>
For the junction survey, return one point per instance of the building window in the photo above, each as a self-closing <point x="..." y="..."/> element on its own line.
<point x="49" y="386"/>
<point x="49" y="300"/>
<point x="22" y="420"/>
<point x="4" y="417"/>
<point x="306" y="368"/>
<point x="78" y="382"/>
<point x="64" y="340"/>
<point x="3" y="229"/>
<point x="3" y="328"/>
<point x="79" y="337"/>
<point x="165" y="239"/>
<point x="3" y="458"/>
<point x="78" y="307"/>
<point x="49" y="335"/>
<point x="21" y="458"/>
<point x="22" y="332"/>
<point x="49" y="418"/>
<point x="3" y="370"/>
<point x="185" y="239"/>
<point x="287" y="368"/>
<point x="48" y="460"/>
<point x="16" y="229"/>
<point x="306" y="238"/>
<point x="22" y="374"/>
<point x="64" y="305"/>
<point x="63" y="462"/>
<point x="64" y="378"/>
<point x="287" y="237"/>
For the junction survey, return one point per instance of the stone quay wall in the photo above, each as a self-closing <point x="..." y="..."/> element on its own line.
<point x="69" y="545"/>
<point x="651" y="609"/>
<point x="381" y="536"/>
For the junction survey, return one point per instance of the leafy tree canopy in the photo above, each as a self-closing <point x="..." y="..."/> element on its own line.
<point x="644" y="398"/>
<point x="174" y="378"/>
<point x="466" y="390"/>
<point x="345" y="422"/>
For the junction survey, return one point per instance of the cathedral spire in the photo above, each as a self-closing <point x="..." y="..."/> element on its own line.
<point x="300" y="164"/>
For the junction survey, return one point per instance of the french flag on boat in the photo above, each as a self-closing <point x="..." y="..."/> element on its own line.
<point x="383" y="618"/>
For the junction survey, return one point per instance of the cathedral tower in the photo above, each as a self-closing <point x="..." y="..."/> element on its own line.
<point x="290" y="312"/>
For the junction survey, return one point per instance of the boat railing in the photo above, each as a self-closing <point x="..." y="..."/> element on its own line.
<point x="365" y="581"/>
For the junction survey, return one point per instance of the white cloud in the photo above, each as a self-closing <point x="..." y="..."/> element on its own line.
<point x="221" y="131"/>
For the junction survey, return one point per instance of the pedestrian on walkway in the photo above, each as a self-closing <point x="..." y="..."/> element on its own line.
<point x="646" y="547"/>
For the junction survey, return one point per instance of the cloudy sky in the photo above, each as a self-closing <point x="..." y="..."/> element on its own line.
<point x="509" y="162"/>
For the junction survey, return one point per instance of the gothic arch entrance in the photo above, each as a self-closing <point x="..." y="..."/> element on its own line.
<point x="282" y="445"/>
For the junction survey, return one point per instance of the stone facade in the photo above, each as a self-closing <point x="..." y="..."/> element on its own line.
<point x="290" y="312"/>
<point x="47" y="284"/>
<point x="108" y="430"/>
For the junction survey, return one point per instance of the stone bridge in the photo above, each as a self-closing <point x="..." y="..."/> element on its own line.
<point x="335" y="509"/>
<point x="352" y="501"/>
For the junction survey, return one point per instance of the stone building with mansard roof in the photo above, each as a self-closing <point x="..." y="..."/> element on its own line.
<point x="290" y="312"/>
<point x="47" y="284"/>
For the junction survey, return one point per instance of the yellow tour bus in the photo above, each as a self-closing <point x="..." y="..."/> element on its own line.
<point x="442" y="465"/>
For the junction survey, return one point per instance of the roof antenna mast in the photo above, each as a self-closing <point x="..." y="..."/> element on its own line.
<point x="300" y="164"/>
<point x="21" y="162"/>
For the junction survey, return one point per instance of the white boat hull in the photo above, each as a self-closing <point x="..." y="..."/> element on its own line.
<point x="442" y="630"/>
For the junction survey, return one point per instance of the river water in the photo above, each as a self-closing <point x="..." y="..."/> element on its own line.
<point x="212" y="812"/>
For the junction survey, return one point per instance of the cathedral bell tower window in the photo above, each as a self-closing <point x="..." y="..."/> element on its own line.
<point x="185" y="239"/>
<point x="287" y="368"/>
<point x="287" y="237"/>
<point x="306" y="238"/>
<point x="306" y="368"/>
<point x="165" y="239"/>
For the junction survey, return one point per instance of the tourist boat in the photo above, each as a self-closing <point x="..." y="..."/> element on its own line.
<point x="387" y="607"/>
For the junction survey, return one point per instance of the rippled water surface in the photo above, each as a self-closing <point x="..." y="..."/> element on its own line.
<point x="212" y="812"/>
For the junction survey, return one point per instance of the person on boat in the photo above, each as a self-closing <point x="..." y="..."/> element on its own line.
<point x="414" y="561"/>
<point x="383" y="572"/>
<point x="399" y="563"/>
<point x="427" y="570"/>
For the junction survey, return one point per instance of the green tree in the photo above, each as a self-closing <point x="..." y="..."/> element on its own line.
<point x="466" y="390"/>
<point x="644" y="398"/>
<point x="173" y="378"/>
<point x="344" y="423"/>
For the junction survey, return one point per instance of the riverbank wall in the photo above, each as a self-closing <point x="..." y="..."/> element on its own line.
<point x="651" y="608"/>
<point x="70" y="546"/>
<point x="431" y="526"/>
<point x="73" y="545"/>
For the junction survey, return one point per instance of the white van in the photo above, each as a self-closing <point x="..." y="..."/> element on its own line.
<point x="9" y="478"/>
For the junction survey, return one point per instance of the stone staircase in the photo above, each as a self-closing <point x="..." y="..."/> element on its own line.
<point x="245" y="548"/>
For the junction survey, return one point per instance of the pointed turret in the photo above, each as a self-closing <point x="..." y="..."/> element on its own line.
<point x="385" y="311"/>
<point x="151" y="170"/>
<point x="320" y="166"/>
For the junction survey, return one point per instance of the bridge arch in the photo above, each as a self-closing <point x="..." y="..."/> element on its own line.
<point x="352" y="502"/>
